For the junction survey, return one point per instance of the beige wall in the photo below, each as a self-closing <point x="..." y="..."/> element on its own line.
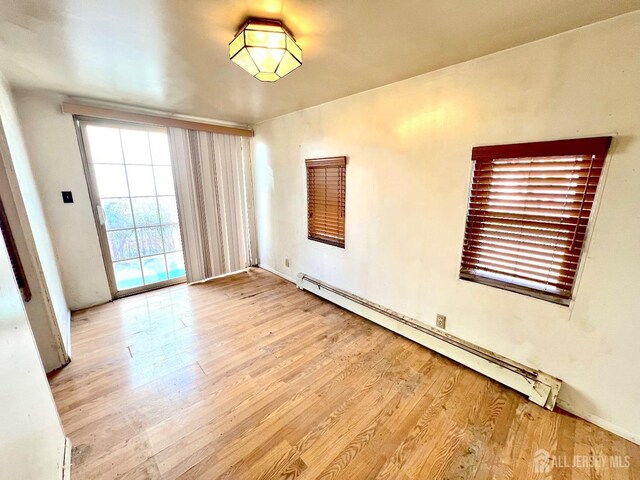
<point x="408" y="146"/>
<point x="48" y="314"/>
<point x="52" y="144"/>
<point x="36" y="308"/>
<point x="32" y="442"/>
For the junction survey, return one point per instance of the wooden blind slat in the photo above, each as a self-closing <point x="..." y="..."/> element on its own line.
<point x="326" y="199"/>
<point x="545" y="285"/>
<point x="537" y="169"/>
<point x="326" y="224"/>
<point x="529" y="181"/>
<point x="512" y="195"/>
<point x="522" y="248"/>
<point x="567" y="263"/>
<point x="532" y="214"/>
<point x="555" y="263"/>
<point x="555" y="203"/>
<point x="557" y="243"/>
<point x="529" y="207"/>
<point x="480" y="216"/>
<point x="524" y="271"/>
<point x="527" y="222"/>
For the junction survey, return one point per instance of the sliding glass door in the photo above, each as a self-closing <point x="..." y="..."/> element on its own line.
<point x="132" y="187"/>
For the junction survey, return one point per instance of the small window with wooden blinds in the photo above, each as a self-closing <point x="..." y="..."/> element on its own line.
<point x="528" y="214"/>
<point x="326" y="199"/>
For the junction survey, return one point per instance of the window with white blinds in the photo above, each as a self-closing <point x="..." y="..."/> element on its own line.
<point x="528" y="213"/>
<point x="326" y="178"/>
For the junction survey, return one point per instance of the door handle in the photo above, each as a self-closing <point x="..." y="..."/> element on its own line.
<point x="101" y="214"/>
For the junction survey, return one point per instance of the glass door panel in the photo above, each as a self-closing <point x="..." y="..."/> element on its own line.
<point x="133" y="189"/>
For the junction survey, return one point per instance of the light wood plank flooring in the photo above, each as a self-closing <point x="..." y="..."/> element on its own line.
<point x="247" y="377"/>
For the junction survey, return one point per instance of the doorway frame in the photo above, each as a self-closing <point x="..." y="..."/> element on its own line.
<point x="79" y="122"/>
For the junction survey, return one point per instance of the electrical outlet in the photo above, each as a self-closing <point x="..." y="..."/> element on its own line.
<point x="286" y="262"/>
<point x="441" y="321"/>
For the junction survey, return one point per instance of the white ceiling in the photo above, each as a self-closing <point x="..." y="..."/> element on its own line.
<point x="172" y="54"/>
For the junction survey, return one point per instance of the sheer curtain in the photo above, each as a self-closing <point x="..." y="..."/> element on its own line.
<point x="215" y="202"/>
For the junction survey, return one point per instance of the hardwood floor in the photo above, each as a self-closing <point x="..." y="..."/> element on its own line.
<point x="247" y="377"/>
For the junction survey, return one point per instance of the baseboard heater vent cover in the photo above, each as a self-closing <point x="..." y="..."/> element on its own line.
<point x="540" y="387"/>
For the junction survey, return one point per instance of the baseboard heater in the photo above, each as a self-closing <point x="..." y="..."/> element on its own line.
<point x="540" y="387"/>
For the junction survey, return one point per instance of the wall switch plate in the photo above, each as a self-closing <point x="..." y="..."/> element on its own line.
<point x="441" y="321"/>
<point x="286" y="262"/>
<point x="67" y="197"/>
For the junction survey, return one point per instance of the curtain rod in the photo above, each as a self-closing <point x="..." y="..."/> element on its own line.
<point x="111" y="114"/>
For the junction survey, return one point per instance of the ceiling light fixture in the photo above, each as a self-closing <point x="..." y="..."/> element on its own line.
<point x="265" y="49"/>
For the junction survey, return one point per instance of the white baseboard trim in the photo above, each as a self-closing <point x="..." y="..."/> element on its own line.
<point x="66" y="460"/>
<point x="276" y="272"/>
<point x="600" y="422"/>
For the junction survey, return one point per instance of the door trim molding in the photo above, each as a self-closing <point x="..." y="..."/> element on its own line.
<point x="93" y="190"/>
<point x="147" y="119"/>
<point x="66" y="459"/>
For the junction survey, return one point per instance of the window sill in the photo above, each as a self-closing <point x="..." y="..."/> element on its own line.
<point x="326" y="241"/>
<point x="549" y="297"/>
